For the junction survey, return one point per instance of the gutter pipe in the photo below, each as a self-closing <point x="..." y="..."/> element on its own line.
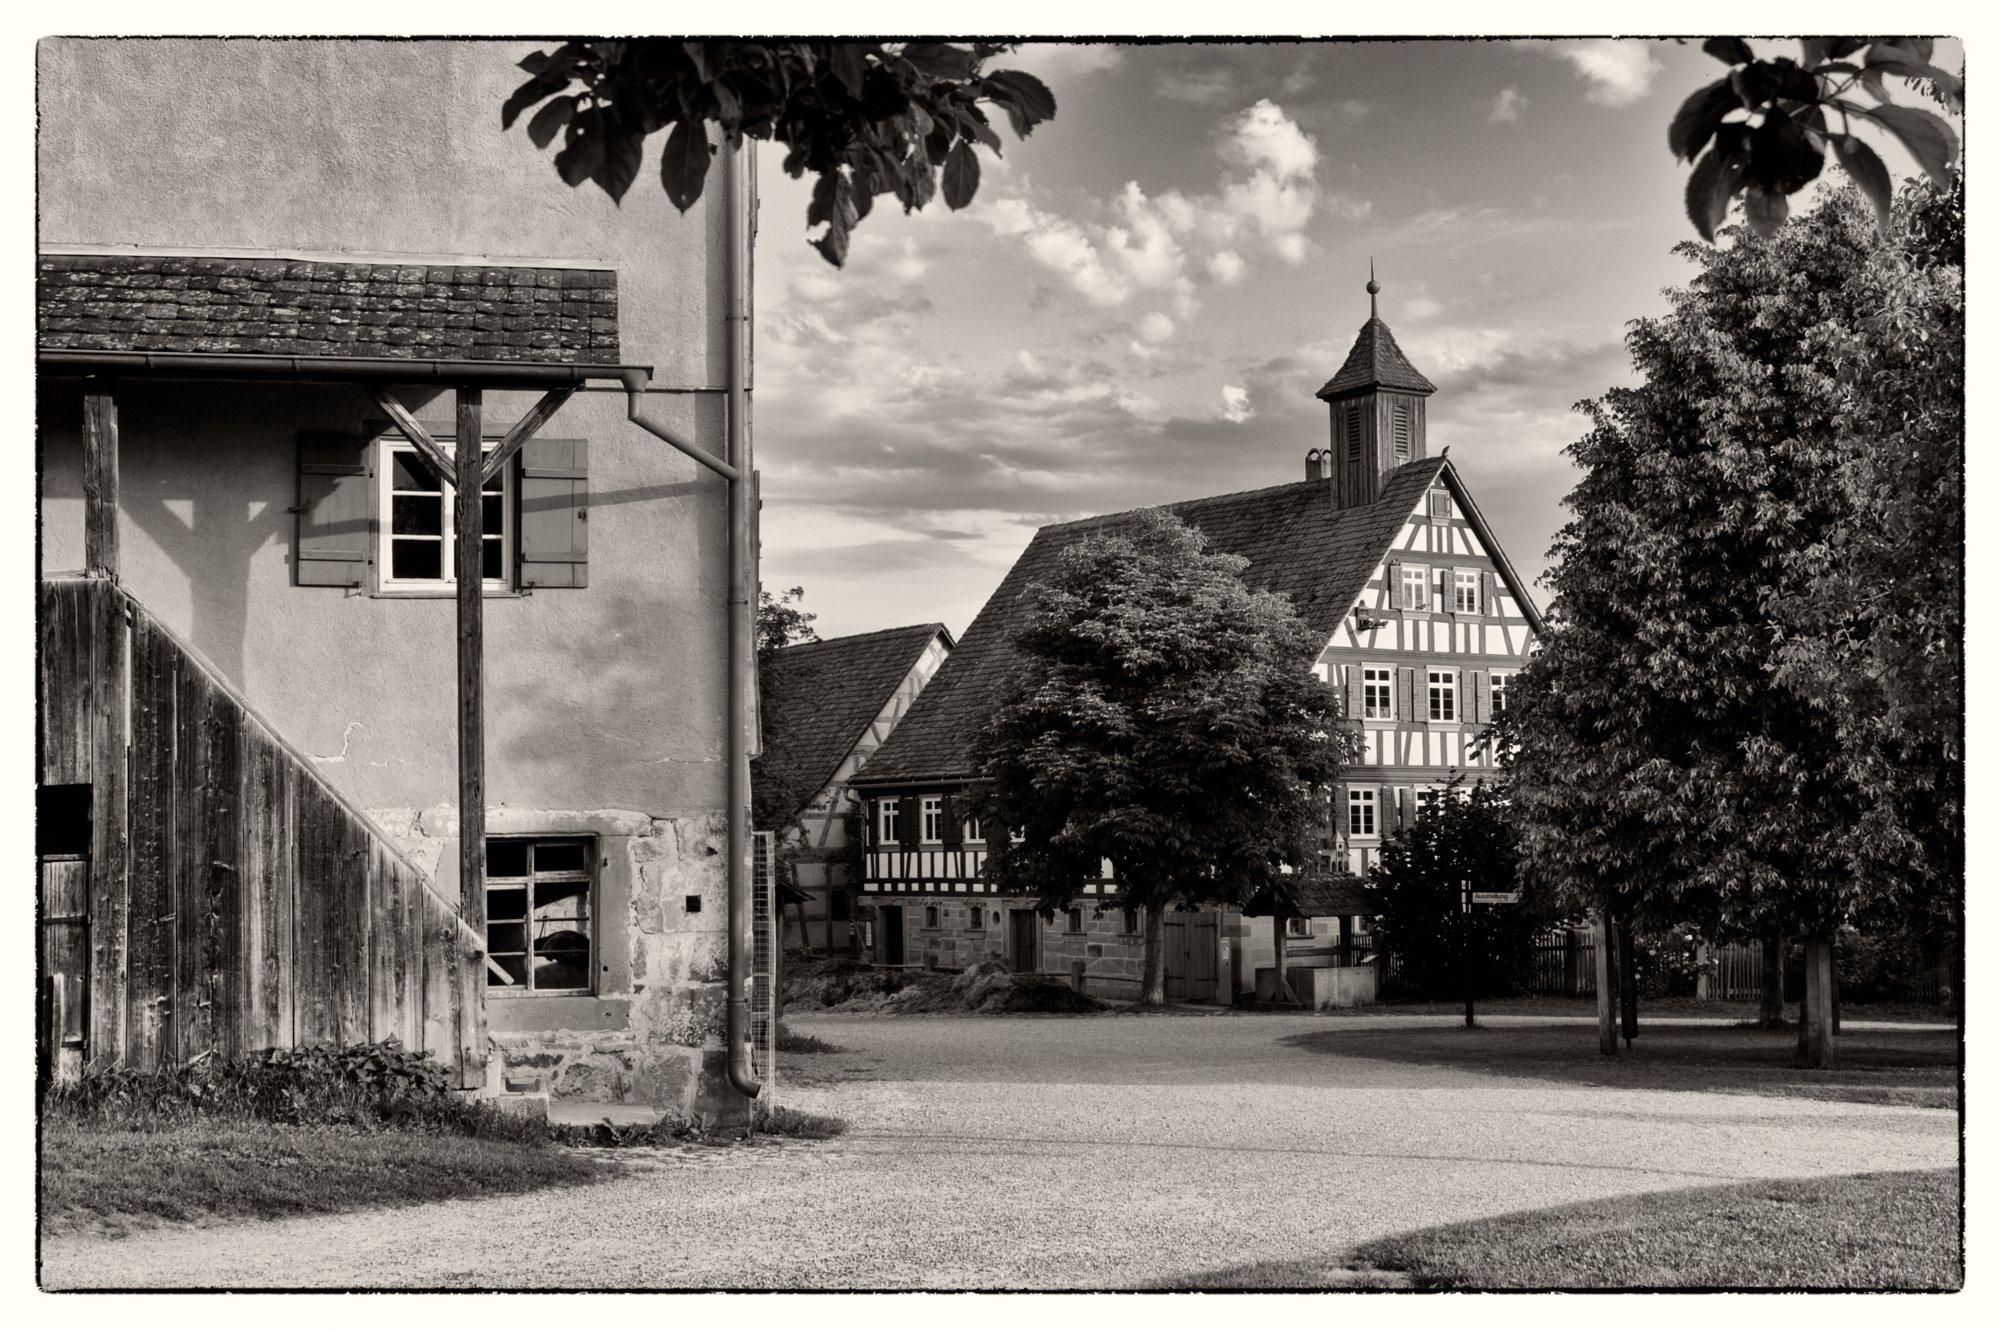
<point x="331" y="368"/>
<point x="742" y="602"/>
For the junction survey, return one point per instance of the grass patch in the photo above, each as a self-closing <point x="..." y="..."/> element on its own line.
<point x="111" y="1179"/>
<point x="1905" y="1067"/>
<point x="788" y="1041"/>
<point x="1714" y="1008"/>
<point x="1878" y="1230"/>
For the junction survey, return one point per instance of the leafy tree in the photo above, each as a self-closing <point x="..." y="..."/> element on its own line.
<point x="1724" y="723"/>
<point x="1459" y="834"/>
<point x="774" y="797"/>
<point x="1165" y="718"/>
<point x="1768" y="125"/>
<point x="781" y="622"/>
<point x="866" y="118"/>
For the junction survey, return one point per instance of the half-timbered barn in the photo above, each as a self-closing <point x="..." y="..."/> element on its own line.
<point x="395" y="571"/>
<point x="1383" y="552"/>
<point x="826" y="706"/>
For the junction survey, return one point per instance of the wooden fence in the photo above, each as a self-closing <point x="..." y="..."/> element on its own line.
<point x="229" y="898"/>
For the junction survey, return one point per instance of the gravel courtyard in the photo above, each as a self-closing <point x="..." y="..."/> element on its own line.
<point x="1034" y="1152"/>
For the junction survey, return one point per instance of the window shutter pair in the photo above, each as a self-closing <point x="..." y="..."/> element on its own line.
<point x="335" y="514"/>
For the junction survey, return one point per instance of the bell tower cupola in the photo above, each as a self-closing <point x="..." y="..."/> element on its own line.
<point x="1376" y="409"/>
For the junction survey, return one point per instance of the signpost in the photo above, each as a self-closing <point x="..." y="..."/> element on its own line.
<point x="1472" y="898"/>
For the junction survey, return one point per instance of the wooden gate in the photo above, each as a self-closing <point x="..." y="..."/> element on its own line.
<point x="1190" y="945"/>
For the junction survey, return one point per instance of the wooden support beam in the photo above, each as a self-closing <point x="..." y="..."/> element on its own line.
<point x="1607" y="980"/>
<point x="100" y="478"/>
<point x="427" y="447"/>
<point x="526" y="427"/>
<point x="471" y="720"/>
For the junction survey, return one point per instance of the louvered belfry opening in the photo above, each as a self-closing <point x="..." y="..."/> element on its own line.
<point x="1375" y="408"/>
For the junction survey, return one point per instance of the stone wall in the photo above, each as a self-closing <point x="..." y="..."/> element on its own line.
<point x="1112" y="957"/>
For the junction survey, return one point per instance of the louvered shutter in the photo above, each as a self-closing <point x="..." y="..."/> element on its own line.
<point x="908" y="810"/>
<point x="335" y="512"/>
<point x="1445" y="601"/>
<point x="1488" y="602"/>
<point x="1395" y="585"/>
<point x="1482" y="684"/>
<point x="1354" y="677"/>
<point x="1406" y="708"/>
<point x="554" y="501"/>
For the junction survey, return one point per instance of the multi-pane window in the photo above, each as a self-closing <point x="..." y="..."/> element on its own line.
<point x="1416" y="588"/>
<point x="419" y="522"/>
<point x="538" y="914"/>
<point x="1361" y="812"/>
<point x="1500" y="691"/>
<point x="933" y="819"/>
<point x="973" y="835"/>
<point x="1444" y="694"/>
<point x="1465" y="591"/>
<point x="1378" y="696"/>
<point x="888" y="818"/>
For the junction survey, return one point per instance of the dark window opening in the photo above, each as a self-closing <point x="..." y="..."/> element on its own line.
<point x="539" y="916"/>
<point x="62" y="820"/>
<point x="930" y="916"/>
<point x="1131" y="920"/>
<point x="1076" y="920"/>
<point x="841" y="903"/>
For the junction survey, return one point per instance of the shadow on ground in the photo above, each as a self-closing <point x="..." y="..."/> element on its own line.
<point x="1903" y="1067"/>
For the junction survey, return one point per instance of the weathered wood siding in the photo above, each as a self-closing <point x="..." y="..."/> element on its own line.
<point x="242" y="903"/>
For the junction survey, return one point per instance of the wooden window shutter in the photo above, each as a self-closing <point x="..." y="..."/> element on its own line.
<point x="953" y="833"/>
<point x="1446" y="601"/>
<point x="335" y="513"/>
<point x="554" y="502"/>
<point x="908" y="811"/>
<point x="1488" y="603"/>
<point x="1354" y="677"/>
<point x="1406" y="682"/>
<point x="1482" y="684"/>
<point x="1395" y="584"/>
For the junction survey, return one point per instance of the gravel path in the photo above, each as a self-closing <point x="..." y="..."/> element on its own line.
<point x="1054" y="1153"/>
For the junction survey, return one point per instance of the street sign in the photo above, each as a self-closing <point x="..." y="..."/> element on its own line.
<point x="1496" y="897"/>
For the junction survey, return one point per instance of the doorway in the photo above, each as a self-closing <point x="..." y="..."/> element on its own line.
<point x="1023" y="931"/>
<point x="892" y="934"/>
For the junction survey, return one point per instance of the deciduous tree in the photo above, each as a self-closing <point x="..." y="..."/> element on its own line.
<point x="866" y="118"/>
<point x="1166" y="718"/>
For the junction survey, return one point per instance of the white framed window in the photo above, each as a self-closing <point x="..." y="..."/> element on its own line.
<point x="1465" y="591"/>
<point x="1500" y="678"/>
<point x="1444" y="694"/>
<point x="932" y="822"/>
<point x="1361" y="812"/>
<point x="888" y="818"/>
<point x="1378" y="693"/>
<point x="973" y="833"/>
<point x="1298" y="927"/>
<point x="418" y="521"/>
<point x="539" y="915"/>
<point x="1416" y="588"/>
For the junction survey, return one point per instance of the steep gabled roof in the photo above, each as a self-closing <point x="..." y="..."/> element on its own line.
<point x="1375" y="362"/>
<point x="820" y="696"/>
<point x="1298" y="545"/>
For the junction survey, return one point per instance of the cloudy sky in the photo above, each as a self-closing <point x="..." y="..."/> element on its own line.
<point x="1142" y="300"/>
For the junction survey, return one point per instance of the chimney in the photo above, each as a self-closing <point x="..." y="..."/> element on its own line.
<point x="1319" y="465"/>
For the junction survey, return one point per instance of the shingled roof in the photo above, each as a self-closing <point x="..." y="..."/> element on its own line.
<point x="819" y="696"/>
<point x="1297" y="542"/>
<point x="278" y="306"/>
<point x="1375" y="362"/>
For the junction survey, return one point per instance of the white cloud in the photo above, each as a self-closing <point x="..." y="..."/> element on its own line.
<point x="1619" y="72"/>
<point x="1208" y="87"/>
<point x="1226" y="267"/>
<point x="1061" y="61"/>
<point x="1421" y="307"/>
<point x="1156" y="327"/>
<point x="1235" y="405"/>
<point x="1506" y="107"/>
<point x="1265" y="138"/>
<point x="1354" y="108"/>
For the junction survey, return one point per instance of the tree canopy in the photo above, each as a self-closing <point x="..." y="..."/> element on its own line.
<point x="1165" y="718"/>
<point x="866" y="118"/>
<point x="1746" y="709"/>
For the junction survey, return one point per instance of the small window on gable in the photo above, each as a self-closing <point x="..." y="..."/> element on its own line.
<point x="1465" y="591"/>
<point x="1441" y="504"/>
<point x="540" y="920"/>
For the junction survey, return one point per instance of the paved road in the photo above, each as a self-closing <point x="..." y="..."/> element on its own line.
<point x="1056" y="1153"/>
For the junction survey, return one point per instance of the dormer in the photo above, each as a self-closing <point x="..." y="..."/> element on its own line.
<point x="1375" y="406"/>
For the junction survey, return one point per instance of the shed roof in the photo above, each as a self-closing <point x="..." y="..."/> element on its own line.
<point x="1298" y="543"/>
<point x="820" y="696"/>
<point x="1313" y="895"/>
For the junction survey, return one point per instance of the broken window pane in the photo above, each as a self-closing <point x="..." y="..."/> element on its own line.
<point x="539" y="924"/>
<point x="506" y="858"/>
<point x="560" y="856"/>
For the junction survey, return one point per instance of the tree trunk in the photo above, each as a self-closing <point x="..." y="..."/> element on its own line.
<point x="1816" y="1010"/>
<point x="1607" y="979"/>
<point x="1833" y="983"/>
<point x="1628" y="983"/>
<point x="1771" y="984"/>
<point x="1153" y="985"/>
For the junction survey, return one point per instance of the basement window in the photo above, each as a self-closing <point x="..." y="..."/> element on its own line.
<point x="539" y="915"/>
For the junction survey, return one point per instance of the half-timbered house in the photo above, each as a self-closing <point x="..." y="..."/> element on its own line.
<point x="826" y="706"/>
<point x="1383" y="552"/>
<point x="396" y="572"/>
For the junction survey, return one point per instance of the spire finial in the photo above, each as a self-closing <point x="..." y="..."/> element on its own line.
<point x="1373" y="287"/>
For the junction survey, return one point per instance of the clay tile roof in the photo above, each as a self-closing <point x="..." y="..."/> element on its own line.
<point x="1314" y="895"/>
<point x="1375" y="362"/>
<point x="1298" y="545"/>
<point x="819" y="697"/>
<point x="279" y="306"/>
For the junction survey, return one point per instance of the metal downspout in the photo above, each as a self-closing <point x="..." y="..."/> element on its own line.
<point x="742" y="604"/>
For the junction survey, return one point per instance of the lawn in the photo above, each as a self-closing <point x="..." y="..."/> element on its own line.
<point x="1885" y="1230"/>
<point x="109" y="1179"/>
<point x="1906" y="1066"/>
